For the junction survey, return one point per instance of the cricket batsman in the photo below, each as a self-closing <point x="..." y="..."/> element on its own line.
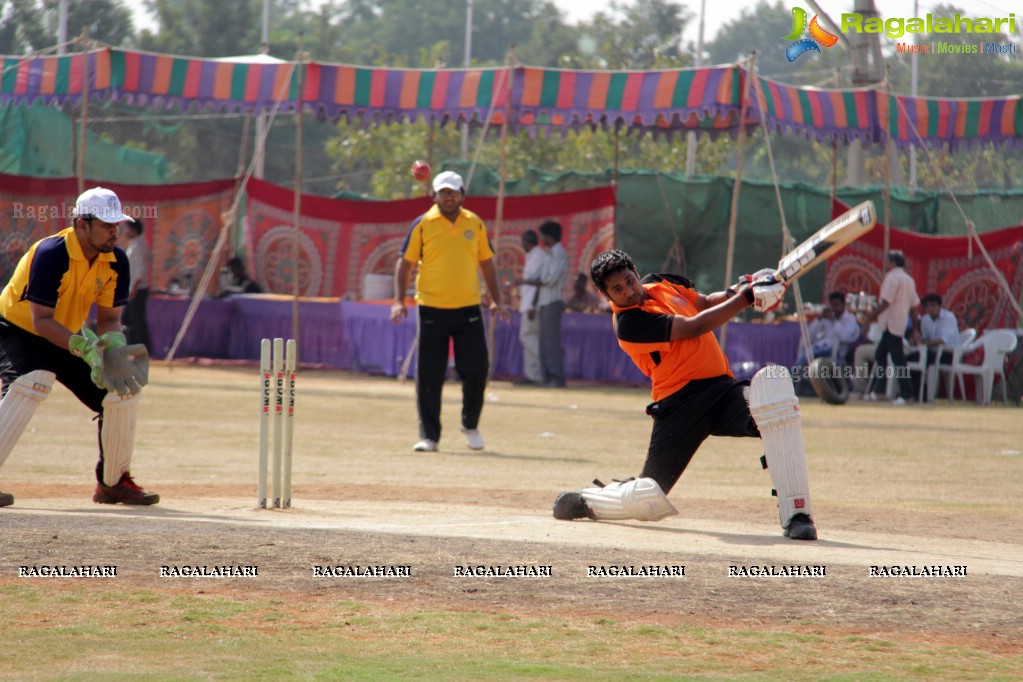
<point x="43" y="338"/>
<point x="667" y="327"/>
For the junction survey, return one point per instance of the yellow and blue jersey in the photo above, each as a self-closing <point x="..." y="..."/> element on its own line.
<point x="55" y="273"/>
<point x="449" y="255"/>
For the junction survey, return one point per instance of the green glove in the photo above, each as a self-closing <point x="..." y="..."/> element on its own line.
<point x="92" y="349"/>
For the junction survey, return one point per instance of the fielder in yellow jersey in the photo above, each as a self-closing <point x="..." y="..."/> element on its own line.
<point x="43" y="337"/>
<point x="451" y="247"/>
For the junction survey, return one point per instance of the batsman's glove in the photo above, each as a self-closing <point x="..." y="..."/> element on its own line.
<point x="768" y="292"/>
<point x="749" y="279"/>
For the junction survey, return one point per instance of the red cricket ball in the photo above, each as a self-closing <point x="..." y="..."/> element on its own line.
<point x="420" y="170"/>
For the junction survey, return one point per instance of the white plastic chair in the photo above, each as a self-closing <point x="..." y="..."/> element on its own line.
<point x="997" y="343"/>
<point x="966" y="339"/>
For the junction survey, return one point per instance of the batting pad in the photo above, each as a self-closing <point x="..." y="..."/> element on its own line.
<point x="119" y="415"/>
<point x="637" y="498"/>
<point x="775" y="409"/>
<point x="18" y="406"/>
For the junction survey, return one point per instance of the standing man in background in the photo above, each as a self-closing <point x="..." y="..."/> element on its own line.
<point x="898" y="296"/>
<point x="451" y="246"/>
<point x="551" y="302"/>
<point x="140" y="257"/>
<point x="529" y="321"/>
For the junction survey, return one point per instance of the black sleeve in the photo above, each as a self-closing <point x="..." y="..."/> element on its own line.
<point x="677" y="280"/>
<point x="639" y="326"/>
<point x="122" y="268"/>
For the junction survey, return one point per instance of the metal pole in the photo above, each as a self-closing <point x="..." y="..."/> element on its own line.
<point x="698" y="62"/>
<point x="265" y="39"/>
<point x="83" y="136"/>
<point x="296" y="252"/>
<point x="467" y="61"/>
<point x="915" y="71"/>
<point x="62" y="27"/>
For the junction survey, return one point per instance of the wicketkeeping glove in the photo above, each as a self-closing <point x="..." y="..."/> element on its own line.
<point x="126" y="368"/>
<point x="115" y="366"/>
<point x="768" y="292"/>
<point x="86" y="345"/>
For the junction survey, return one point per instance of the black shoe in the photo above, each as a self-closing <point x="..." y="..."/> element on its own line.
<point x="801" y="528"/>
<point x="6" y="499"/>
<point x="571" y="505"/>
<point x="525" y="382"/>
<point x="126" y="492"/>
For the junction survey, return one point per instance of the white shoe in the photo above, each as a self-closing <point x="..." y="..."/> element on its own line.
<point x="425" y="445"/>
<point x="473" y="438"/>
<point x="899" y="401"/>
<point x="872" y="397"/>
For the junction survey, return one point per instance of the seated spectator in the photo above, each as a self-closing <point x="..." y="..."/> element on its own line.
<point x="241" y="283"/>
<point x="936" y="327"/>
<point x="833" y="330"/>
<point x="583" y="299"/>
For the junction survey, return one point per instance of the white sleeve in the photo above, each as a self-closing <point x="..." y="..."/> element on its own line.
<point x="847" y="329"/>
<point x="948" y="330"/>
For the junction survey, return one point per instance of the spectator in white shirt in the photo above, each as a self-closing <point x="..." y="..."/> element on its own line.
<point x="937" y="327"/>
<point x="898" y="296"/>
<point x="551" y="303"/>
<point x="836" y="327"/>
<point x="529" y="319"/>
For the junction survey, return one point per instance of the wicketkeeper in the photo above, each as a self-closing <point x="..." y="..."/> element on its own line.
<point x="43" y="338"/>
<point x="666" y="327"/>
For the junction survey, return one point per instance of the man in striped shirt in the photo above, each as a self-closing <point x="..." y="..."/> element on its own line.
<point x="551" y="303"/>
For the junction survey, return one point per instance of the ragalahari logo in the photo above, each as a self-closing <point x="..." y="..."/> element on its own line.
<point x="818" y="36"/>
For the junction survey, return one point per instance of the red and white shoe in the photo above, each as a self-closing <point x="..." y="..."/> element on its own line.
<point x="125" y="492"/>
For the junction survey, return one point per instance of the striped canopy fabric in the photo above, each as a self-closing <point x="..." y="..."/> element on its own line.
<point x="706" y="100"/>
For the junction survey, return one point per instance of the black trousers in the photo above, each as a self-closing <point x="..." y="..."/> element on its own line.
<point x="135" y="321"/>
<point x="22" y="352"/>
<point x="890" y="344"/>
<point x="437" y="327"/>
<point x="552" y="352"/>
<point x="683" y="420"/>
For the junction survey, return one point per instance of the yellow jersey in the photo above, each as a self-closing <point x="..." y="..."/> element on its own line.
<point x="449" y="254"/>
<point x="55" y="273"/>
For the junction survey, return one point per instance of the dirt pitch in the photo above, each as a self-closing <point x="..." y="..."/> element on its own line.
<point x="919" y="486"/>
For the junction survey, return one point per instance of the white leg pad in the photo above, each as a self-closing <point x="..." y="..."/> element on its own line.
<point x="775" y="410"/>
<point x="639" y="498"/>
<point x="119" y="416"/>
<point x="18" y="406"/>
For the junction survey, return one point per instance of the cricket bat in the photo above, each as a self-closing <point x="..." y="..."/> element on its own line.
<point x="830" y="239"/>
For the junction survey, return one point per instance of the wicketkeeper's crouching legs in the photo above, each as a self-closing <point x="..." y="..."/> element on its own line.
<point x="775" y="409"/>
<point x="117" y="444"/>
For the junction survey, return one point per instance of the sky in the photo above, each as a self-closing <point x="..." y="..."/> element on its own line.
<point x="717" y="12"/>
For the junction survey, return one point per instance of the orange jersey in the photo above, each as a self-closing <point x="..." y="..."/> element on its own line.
<point x="644" y="332"/>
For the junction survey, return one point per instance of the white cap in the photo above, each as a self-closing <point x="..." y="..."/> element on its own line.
<point x="100" y="203"/>
<point x="448" y="180"/>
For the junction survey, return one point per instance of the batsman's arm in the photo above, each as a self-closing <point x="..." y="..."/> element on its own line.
<point x="712" y="317"/>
